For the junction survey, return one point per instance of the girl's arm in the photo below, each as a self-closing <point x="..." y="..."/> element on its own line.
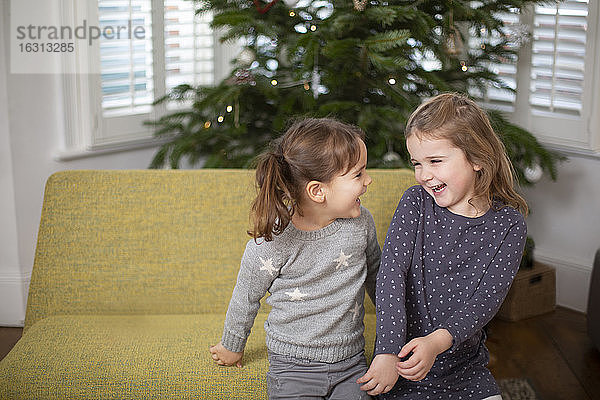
<point x="373" y="254"/>
<point x="257" y="271"/>
<point x="390" y="294"/>
<point x="396" y="257"/>
<point x="493" y="288"/>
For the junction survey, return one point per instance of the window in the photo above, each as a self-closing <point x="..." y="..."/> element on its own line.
<point x="129" y="72"/>
<point x="556" y="76"/>
<point x="151" y="47"/>
<point x="558" y="58"/>
<point x="134" y="72"/>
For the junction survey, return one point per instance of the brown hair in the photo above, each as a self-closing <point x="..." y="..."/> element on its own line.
<point x="311" y="149"/>
<point x="459" y="119"/>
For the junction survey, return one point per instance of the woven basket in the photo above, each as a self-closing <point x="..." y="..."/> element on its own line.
<point x="532" y="293"/>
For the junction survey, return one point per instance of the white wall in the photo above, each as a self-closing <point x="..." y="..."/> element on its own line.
<point x="565" y="221"/>
<point x="11" y="277"/>
<point x="30" y="136"/>
<point x="565" y="224"/>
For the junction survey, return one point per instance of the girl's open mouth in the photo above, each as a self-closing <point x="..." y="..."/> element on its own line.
<point x="438" y="188"/>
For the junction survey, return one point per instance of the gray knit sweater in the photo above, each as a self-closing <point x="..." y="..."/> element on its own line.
<point x="317" y="282"/>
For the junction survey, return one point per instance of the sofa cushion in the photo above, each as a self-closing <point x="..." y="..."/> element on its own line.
<point x="139" y="242"/>
<point x="134" y="357"/>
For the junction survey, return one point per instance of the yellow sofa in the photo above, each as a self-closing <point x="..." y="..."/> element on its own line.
<point x="132" y="277"/>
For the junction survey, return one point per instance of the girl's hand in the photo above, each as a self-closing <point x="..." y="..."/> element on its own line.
<point x="424" y="351"/>
<point x="222" y="356"/>
<point x="381" y="376"/>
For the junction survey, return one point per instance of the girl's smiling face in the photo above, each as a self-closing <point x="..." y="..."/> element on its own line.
<point x="443" y="170"/>
<point x="343" y="192"/>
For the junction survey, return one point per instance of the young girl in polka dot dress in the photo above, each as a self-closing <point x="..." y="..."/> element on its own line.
<point x="451" y="252"/>
<point x="315" y="250"/>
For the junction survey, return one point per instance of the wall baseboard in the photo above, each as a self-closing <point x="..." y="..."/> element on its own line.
<point x="572" y="279"/>
<point x="13" y="298"/>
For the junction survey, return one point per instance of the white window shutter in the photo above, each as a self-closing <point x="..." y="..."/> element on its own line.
<point x="126" y="62"/>
<point x="558" y="57"/>
<point x="188" y="45"/>
<point x="177" y="48"/>
<point x="554" y="76"/>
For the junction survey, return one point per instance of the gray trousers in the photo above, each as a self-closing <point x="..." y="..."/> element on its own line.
<point x="293" y="378"/>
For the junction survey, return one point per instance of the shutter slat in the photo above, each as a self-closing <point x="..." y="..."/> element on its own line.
<point x="188" y="40"/>
<point x="126" y="61"/>
<point x="558" y="55"/>
<point x="127" y="76"/>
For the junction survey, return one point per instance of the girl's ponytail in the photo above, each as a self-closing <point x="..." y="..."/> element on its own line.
<point x="273" y="207"/>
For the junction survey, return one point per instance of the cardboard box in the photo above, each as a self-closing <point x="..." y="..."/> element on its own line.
<point x="532" y="293"/>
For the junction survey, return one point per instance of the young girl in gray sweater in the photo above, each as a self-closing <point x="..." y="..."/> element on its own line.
<point x="314" y="249"/>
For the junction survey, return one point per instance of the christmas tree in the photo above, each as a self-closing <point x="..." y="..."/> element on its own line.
<point x="369" y="63"/>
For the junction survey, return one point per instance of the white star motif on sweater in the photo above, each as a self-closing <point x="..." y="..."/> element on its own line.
<point x="267" y="265"/>
<point x="296" y="295"/>
<point x="355" y="311"/>
<point x="342" y="260"/>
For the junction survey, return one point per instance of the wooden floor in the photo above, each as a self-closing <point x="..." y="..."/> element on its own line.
<point x="8" y="338"/>
<point x="552" y="351"/>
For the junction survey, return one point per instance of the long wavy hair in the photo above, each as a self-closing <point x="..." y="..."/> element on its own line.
<point x="460" y="120"/>
<point x="311" y="149"/>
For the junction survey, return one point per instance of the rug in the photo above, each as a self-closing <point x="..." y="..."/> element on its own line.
<point x="517" y="389"/>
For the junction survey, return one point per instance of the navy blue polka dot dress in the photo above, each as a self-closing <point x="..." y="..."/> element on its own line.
<point x="443" y="270"/>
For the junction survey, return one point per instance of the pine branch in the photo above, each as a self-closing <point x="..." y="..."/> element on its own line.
<point x="387" y="40"/>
